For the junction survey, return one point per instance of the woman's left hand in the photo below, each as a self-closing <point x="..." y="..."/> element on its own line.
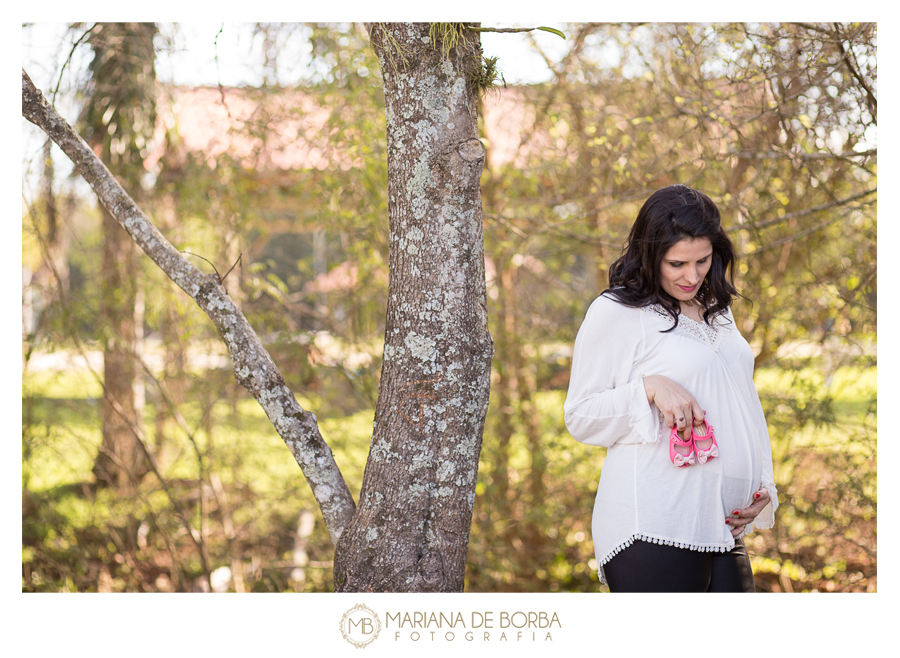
<point x="741" y="517"/>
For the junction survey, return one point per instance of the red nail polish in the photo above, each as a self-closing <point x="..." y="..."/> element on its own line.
<point x="727" y="521"/>
<point x="756" y="495"/>
<point x="736" y="512"/>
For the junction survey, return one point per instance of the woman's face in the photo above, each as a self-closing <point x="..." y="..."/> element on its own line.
<point x="684" y="266"/>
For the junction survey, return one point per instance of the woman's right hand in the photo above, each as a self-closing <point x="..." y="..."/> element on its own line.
<point x="678" y="407"/>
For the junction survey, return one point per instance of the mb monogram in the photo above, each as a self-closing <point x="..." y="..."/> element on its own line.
<point x="360" y="625"/>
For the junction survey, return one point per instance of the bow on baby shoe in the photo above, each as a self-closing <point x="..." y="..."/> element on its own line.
<point x="705" y="455"/>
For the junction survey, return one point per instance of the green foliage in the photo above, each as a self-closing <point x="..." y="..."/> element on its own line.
<point x="731" y="109"/>
<point x="485" y="77"/>
<point x="823" y="432"/>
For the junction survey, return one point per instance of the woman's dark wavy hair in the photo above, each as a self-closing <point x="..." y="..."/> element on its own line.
<point x="670" y="215"/>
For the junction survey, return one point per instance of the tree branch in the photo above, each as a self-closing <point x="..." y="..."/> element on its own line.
<point x="846" y="55"/>
<point x="801" y="213"/>
<point x="772" y="155"/>
<point x="254" y="368"/>
<point x="799" y="235"/>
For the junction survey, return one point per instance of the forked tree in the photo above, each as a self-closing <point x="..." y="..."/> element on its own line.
<point x="410" y="530"/>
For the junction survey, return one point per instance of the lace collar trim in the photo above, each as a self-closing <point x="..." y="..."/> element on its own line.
<point x="708" y="334"/>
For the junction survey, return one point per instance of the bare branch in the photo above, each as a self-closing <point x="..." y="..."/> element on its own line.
<point x="846" y="57"/>
<point x="254" y="368"/>
<point x="68" y="61"/>
<point x="801" y="213"/>
<point x="801" y="234"/>
<point x="765" y="155"/>
<point x="218" y="75"/>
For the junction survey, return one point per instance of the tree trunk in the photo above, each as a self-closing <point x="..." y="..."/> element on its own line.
<point x="120" y="458"/>
<point x="120" y="119"/>
<point x="411" y="528"/>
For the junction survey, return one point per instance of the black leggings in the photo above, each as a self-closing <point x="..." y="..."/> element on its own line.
<point x="648" y="567"/>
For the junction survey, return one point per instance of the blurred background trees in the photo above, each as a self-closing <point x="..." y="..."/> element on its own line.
<point x="286" y="180"/>
<point x="119" y="121"/>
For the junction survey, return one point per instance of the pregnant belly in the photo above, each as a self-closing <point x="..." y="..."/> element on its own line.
<point x="736" y="493"/>
<point x="713" y="490"/>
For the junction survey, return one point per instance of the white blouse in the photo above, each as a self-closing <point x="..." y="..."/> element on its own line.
<point x="642" y="494"/>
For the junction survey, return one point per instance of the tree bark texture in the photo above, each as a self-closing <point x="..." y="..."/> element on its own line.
<point x="253" y="366"/>
<point x="411" y="529"/>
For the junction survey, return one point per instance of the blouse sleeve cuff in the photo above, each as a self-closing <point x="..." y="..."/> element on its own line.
<point x="643" y="422"/>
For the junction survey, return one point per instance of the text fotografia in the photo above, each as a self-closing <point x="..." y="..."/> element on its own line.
<point x="479" y="626"/>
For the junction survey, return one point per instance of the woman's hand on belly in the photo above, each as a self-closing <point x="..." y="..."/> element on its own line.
<point x="742" y="517"/>
<point x="679" y="407"/>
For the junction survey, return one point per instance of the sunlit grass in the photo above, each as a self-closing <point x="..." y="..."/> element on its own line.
<point x="64" y="437"/>
<point x="64" y="385"/>
<point x="61" y="437"/>
<point x="853" y="389"/>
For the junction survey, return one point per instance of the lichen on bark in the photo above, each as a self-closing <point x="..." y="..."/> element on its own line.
<point x="419" y="483"/>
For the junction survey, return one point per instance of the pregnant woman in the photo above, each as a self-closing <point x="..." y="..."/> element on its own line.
<point x="662" y="378"/>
